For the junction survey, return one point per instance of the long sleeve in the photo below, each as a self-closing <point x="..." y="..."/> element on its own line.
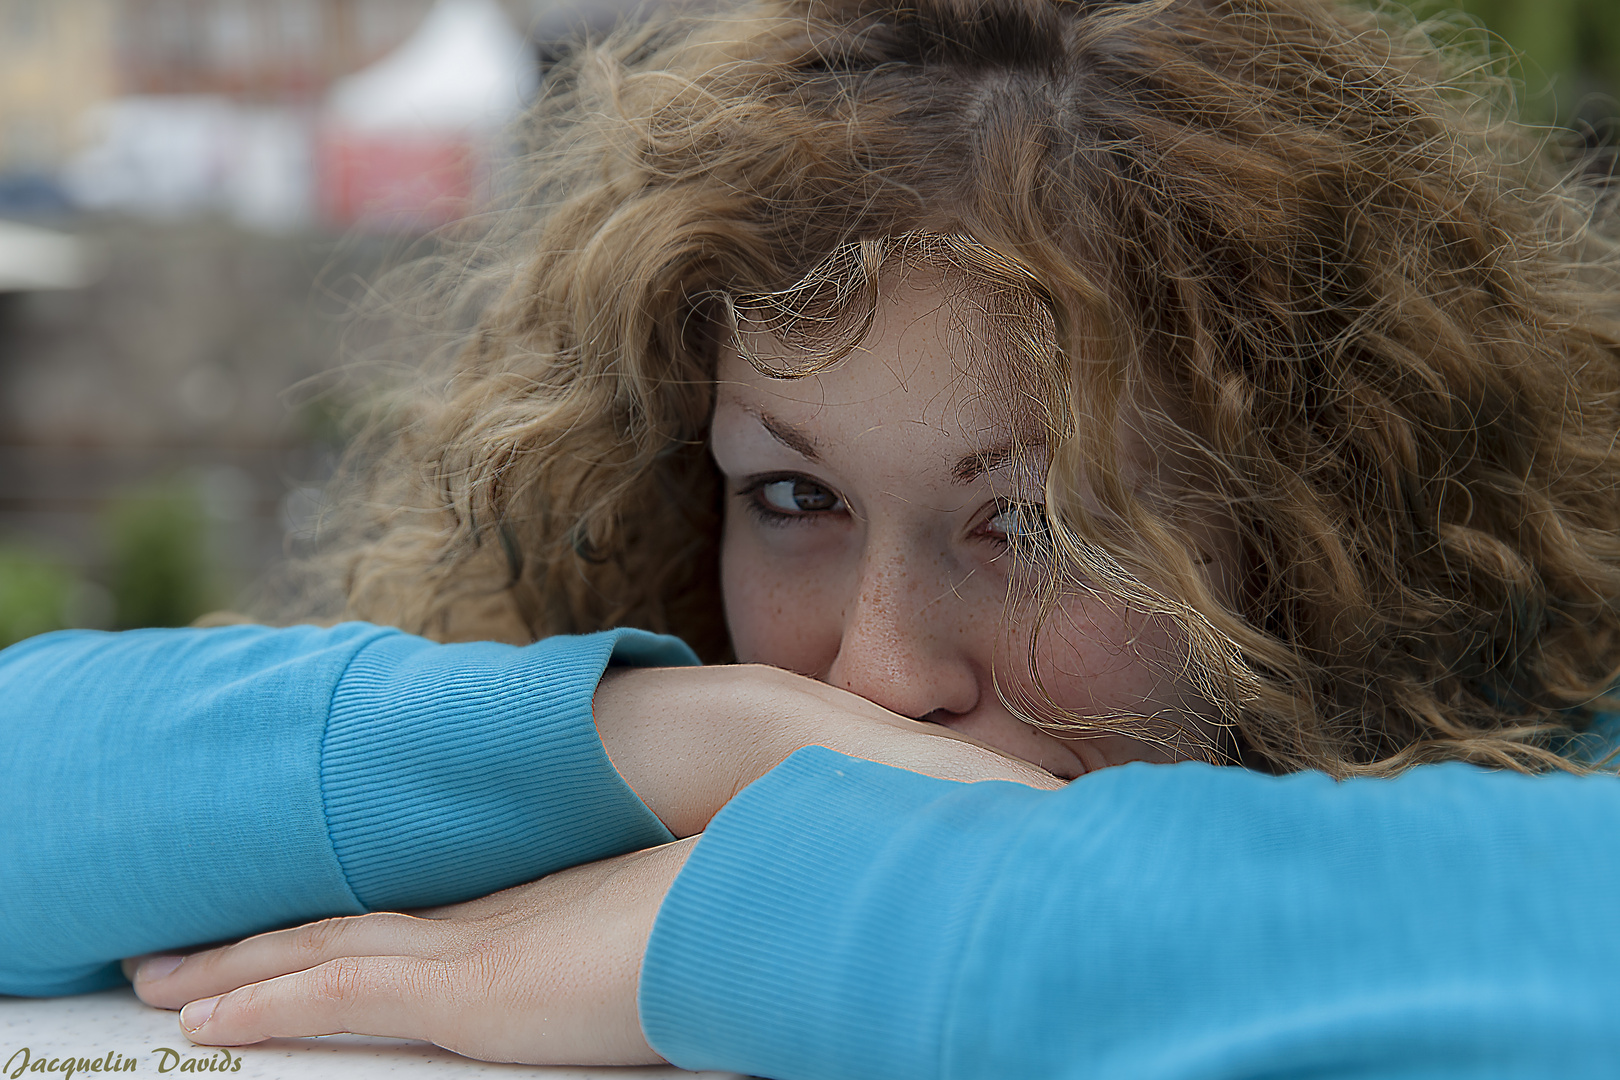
<point x="171" y="787"/>
<point x="844" y="919"/>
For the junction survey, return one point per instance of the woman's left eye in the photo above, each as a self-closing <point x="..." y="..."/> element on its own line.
<point x="792" y="497"/>
<point x="1020" y="523"/>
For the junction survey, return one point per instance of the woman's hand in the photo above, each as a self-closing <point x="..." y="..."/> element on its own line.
<point x="543" y="973"/>
<point x="687" y="739"/>
<point x="547" y="972"/>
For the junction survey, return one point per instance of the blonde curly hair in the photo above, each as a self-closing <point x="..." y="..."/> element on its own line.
<point x="1382" y="314"/>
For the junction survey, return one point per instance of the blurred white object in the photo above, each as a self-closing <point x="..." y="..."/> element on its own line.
<point x="270" y="178"/>
<point x="466" y="69"/>
<point x="409" y="141"/>
<point x="33" y="258"/>
<point x="163" y="156"/>
<point x="178" y="155"/>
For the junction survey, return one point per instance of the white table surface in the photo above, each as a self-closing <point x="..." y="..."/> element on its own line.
<point x="114" y="1021"/>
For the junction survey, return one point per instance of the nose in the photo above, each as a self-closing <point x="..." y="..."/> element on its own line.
<point x="904" y="642"/>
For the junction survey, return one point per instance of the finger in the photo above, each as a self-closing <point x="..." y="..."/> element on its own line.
<point x="168" y="982"/>
<point x="391" y="996"/>
<point x="132" y="964"/>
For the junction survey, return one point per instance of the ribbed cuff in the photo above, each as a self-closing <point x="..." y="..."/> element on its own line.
<point x="841" y="919"/>
<point x="775" y="951"/>
<point x="452" y="771"/>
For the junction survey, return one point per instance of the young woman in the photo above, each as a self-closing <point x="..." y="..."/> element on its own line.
<point x="1098" y="383"/>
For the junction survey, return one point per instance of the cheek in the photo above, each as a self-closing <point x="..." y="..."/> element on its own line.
<point x="1095" y="658"/>
<point x="778" y="613"/>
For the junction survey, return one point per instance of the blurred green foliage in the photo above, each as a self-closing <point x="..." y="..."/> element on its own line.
<point x="1566" y="52"/>
<point x="158" y="570"/>
<point x="36" y="594"/>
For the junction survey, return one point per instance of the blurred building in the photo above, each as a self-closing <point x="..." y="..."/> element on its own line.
<point x="163" y="356"/>
<point x="260" y="51"/>
<point x="180" y="372"/>
<point x="174" y="108"/>
<point x="56" y="63"/>
<point x="412" y="137"/>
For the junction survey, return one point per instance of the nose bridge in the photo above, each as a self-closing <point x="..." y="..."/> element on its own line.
<point x="900" y="647"/>
<point x="900" y="582"/>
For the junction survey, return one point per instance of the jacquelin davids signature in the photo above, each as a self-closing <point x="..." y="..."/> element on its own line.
<point x="24" y="1062"/>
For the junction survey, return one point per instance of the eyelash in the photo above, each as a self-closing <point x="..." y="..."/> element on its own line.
<point x="751" y="495"/>
<point x="1026" y="543"/>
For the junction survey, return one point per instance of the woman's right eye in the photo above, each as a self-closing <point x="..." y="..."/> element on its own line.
<point x="793" y="496"/>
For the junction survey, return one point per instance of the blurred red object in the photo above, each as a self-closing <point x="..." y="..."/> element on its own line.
<point x="407" y="142"/>
<point x="405" y="181"/>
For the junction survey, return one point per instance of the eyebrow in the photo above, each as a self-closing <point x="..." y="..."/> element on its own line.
<point x="967" y="469"/>
<point x="976" y="464"/>
<point x="789" y="436"/>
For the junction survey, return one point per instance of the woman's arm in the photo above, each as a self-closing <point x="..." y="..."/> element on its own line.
<point x="688" y="740"/>
<point x="843" y="919"/>
<point x="165" y="788"/>
<point x="170" y="787"/>
<point x="1146" y="921"/>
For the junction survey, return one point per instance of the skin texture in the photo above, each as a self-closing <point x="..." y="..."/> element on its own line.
<point x="868" y="560"/>
<point x="541" y="973"/>
<point x="870" y="543"/>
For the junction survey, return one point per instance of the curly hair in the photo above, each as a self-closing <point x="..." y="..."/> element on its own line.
<point x="1373" y="316"/>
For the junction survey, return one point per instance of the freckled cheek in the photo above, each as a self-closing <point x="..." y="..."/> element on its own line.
<point x="1095" y="659"/>
<point x="780" y="611"/>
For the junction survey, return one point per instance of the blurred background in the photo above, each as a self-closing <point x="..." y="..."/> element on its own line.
<point x="194" y="192"/>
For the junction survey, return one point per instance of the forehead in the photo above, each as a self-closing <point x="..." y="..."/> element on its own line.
<point x="941" y="352"/>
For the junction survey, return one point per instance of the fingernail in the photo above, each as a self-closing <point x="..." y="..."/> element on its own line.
<point x="157" y="967"/>
<point x="196" y="1014"/>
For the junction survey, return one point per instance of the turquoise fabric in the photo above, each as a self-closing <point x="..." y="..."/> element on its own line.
<point x="843" y="919"/>
<point x="170" y="787"/>
<point x="839" y="918"/>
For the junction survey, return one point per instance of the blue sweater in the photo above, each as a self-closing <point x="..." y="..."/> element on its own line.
<point x="839" y="918"/>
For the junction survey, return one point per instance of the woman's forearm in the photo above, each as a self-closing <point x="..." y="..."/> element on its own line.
<point x="1145" y="921"/>
<point x="170" y="787"/>
<point x="165" y="788"/>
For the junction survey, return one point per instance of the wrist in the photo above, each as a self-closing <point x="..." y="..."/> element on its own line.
<point x="686" y="740"/>
<point x="679" y="738"/>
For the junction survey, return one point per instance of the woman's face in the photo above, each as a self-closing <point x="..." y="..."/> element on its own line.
<point x="870" y="541"/>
